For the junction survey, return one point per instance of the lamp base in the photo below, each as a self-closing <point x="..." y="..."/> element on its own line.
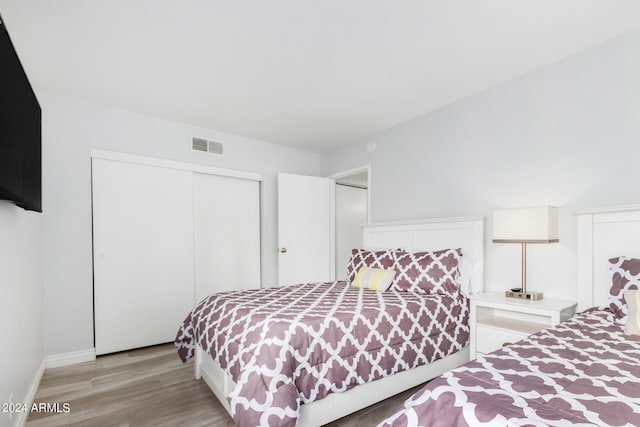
<point x="517" y="293"/>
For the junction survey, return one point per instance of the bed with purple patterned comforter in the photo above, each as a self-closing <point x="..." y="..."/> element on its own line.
<point x="296" y="344"/>
<point x="585" y="371"/>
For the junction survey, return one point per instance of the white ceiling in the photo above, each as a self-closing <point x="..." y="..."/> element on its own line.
<point x="314" y="74"/>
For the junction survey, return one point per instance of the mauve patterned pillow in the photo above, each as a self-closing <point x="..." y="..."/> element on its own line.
<point x="434" y="272"/>
<point x="373" y="259"/>
<point x="625" y="275"/>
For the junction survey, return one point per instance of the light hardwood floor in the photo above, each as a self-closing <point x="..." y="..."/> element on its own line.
<point x="150" y="387"/>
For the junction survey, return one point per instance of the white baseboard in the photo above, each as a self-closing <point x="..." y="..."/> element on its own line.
<point x="64" y="359"/>
<point x="21" y="417"/>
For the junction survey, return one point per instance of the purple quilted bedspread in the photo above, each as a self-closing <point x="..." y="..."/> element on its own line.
<point x="292" y="345"/>
<point x="585" y="371"/>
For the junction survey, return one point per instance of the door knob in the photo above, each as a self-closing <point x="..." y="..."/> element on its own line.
<point x="283" y="250"/>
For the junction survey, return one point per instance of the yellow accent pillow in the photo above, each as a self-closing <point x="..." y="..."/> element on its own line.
<point x="377" y="279"/>
<point x="633" y="304"/>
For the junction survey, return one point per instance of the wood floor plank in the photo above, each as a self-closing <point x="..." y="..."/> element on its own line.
<point x="150" y="387"/>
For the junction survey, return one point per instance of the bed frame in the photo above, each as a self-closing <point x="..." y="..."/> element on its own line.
<point x="603" y="234"/>
<point x="432" y="234"/>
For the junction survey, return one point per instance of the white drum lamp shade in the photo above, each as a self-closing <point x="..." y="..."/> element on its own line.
<point x="526" y="225"/>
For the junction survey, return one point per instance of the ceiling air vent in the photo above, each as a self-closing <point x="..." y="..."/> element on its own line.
<point x="213" y="147"/>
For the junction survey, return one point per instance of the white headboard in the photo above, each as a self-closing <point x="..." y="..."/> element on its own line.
<point x="604" y="234"/>
<point x="431" y="234"/>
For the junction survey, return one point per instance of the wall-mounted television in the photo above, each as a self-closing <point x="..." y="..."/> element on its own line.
<point x="20" y="131"/>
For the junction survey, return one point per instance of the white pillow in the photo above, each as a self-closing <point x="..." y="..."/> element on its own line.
<point x="633" y="319"/>
<point x="470" y="268"/>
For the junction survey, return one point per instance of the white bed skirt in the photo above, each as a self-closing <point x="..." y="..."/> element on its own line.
<point x="335" y="405"/>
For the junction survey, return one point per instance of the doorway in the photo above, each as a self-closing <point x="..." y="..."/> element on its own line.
<point x="352" y="211"/>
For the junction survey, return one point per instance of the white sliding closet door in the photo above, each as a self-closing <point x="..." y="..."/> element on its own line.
<point x="227" y="234"/>
<point x="143" y="253"/>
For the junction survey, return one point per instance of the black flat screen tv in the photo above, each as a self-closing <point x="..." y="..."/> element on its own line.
<point x="20" y="132"/>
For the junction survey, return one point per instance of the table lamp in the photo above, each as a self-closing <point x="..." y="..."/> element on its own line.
<point x="525" y="226"/>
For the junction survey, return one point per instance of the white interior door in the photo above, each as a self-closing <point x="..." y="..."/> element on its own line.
<point x="351" y="214"/>
<point x="227" y="234"/>
<point x="143" y="253"/>
<point x="305" y="229"/>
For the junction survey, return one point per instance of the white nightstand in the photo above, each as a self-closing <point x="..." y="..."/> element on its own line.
<point x="497" y="321"/>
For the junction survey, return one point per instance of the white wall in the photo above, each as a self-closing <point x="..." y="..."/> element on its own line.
<point x="20" y="302"/>
<point x="70" y="129"/>
<point x="565" y="135"/>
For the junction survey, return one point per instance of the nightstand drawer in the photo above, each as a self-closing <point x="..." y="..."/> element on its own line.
<point x="491" y="339"/>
